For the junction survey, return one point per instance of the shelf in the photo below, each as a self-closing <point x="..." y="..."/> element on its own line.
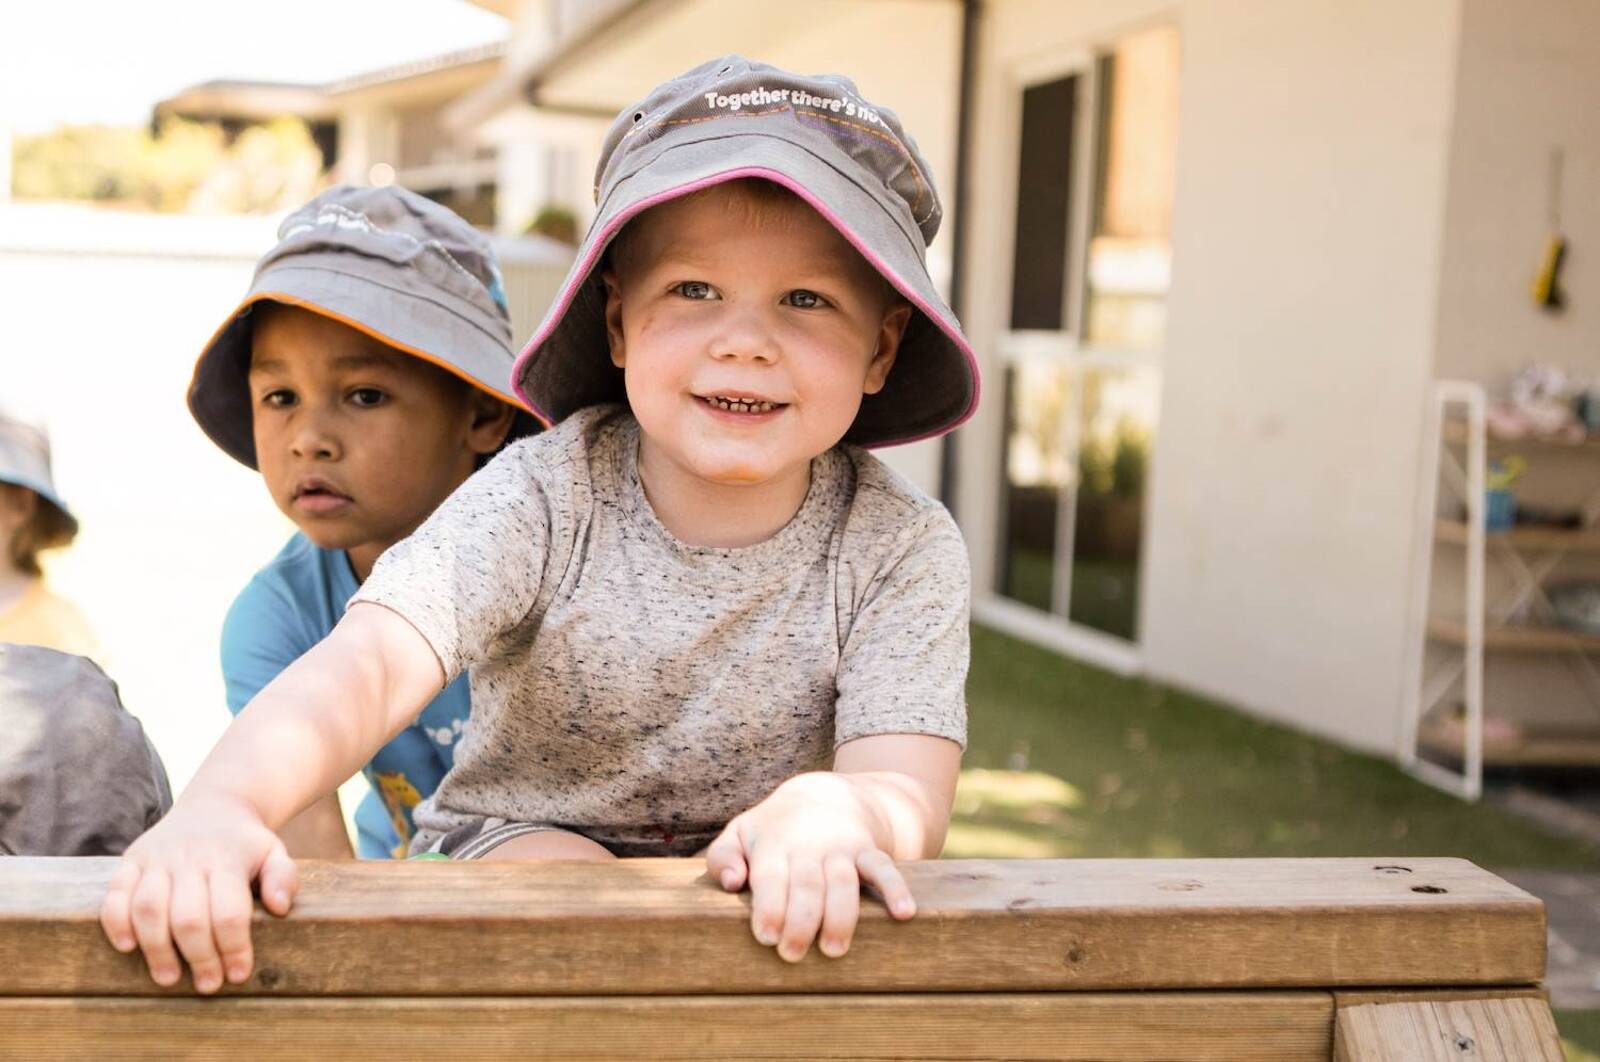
<point x="1455" y="433"/>
<point x="1518" y="639"/>
<point x="1567" y="747"/>
<point x="1529" y="536"/>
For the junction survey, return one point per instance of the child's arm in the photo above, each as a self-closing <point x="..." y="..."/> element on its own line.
<point x="807" y="848"/>
<point x="318" y="832"/>
<point x="187" y="881"/>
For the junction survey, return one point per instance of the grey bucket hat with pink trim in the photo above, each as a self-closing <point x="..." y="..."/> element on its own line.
<point x="850" y="160"/>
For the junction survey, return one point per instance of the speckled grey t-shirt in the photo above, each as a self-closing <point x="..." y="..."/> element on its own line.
<point x="643" y="692"/>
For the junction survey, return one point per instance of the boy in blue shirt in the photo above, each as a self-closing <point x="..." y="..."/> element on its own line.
<point x="365" y="375"/>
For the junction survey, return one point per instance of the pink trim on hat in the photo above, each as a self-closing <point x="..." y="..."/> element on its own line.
<point x="598" y="245"/>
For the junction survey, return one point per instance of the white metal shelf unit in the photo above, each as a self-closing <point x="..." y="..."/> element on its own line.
<point x="1519" y="620"/>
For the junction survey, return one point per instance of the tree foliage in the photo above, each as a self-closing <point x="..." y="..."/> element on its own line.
<point x="181" y="166"/>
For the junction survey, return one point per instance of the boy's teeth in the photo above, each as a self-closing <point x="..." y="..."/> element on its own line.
<point x="741" y="405"/>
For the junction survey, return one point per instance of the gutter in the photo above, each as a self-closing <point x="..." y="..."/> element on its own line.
<point x="520" y="82"/>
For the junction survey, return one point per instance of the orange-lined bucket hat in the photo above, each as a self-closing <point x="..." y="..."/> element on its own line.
<point x="387" y="262"/>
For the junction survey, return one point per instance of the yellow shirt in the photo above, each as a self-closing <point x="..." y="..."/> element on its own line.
<point x="39" y="617"/>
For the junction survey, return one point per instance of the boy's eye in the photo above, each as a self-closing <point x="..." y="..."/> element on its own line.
<point x="367" y="396"/>
<point x="698" y="290"/>
<point x="279" y="399"/>
<point x="802" y="299"/>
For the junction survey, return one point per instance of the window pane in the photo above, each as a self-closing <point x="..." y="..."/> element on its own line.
<point x="1037" y="470"/>
<point x="1130" y="254"/>
<point x="1044" y="186"/>
<point x="1119" y="419"/>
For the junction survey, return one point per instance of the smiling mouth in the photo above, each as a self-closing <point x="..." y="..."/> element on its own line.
<point x="732" y="404"/>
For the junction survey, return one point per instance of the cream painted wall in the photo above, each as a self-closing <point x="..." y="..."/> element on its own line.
<point x="1529" y="82"/>
<point x="1308" y="223"/>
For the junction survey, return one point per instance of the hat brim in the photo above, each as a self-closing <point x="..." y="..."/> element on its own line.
<point x="934" y="386"/>
<point x="64" y="525"/>
<point x="219" y="395"/>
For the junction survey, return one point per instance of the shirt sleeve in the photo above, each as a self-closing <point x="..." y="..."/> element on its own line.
<point x="474" y="568"/>
<point x="903" y="666"/>
<point x="262" y="635"/>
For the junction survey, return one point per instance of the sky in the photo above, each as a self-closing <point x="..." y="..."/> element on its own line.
<point x="78" y="61"/>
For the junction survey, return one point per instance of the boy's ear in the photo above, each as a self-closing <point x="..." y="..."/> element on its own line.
<point x="890" y="333"/>
<point x="613" y="316"/>
<point x="491" y="422"/>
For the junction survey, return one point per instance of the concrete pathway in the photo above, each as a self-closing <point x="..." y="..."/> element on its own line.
<point x="1572" y="905"/>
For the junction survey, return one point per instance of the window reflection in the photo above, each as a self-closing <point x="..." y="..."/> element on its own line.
<point x="1038" y="467"/>
<point x="1119" y="421"/>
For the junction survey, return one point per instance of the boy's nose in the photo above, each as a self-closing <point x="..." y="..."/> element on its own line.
<point x="312" y="439"/>
<point x="745" y="337"/>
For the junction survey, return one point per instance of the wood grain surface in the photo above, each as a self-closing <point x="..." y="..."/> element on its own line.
<point x="1199" y="1026"/>
<point x="657" y="927"/>
<point x="1464" y="1030"/>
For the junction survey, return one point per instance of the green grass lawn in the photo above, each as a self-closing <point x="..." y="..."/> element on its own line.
<point x="1066" y="760"/>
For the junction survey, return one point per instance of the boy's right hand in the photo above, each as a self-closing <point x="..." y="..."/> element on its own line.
<point x="186" y="882"/>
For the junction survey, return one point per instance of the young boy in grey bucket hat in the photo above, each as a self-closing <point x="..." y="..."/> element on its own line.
<point x="698" y="619"/>
<point x="364" y="375"/>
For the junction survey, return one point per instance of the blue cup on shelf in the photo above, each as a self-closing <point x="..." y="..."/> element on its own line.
<point x="1499" y="503"/>
<point x="1499" y="509"/>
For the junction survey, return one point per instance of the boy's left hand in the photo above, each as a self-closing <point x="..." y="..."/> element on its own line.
<point x="805" y="851"/>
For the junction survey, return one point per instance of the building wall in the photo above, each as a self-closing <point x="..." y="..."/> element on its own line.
<point x="1313" y="140"/>
<point x="1528" y="84"/>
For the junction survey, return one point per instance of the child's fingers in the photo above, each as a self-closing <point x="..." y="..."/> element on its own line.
<point x="879" y="871"/>
<point x="769" y="890"/>
<point x="151" y="898"/>
<point x="725" y="860"/>
<point x="230" y="922"/>
<point x="803" y="913"/>
<point x="842" y="906"/>
<point x="191" y="929"/>
<point x="116" y="914"/>
<point x="280" y="880"/>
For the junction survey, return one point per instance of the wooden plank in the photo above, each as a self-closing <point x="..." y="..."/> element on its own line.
<point x="659" y="927"/>
<point x="1567" y="746"/>
<point x="1525" y="536"/>
<point x="1481" y="1030"/>
<point x="1518" y="639"/>
<point x="1456" y="431"/>
<point x="1355" y="997"/>
<point x="1209" y="1026"/>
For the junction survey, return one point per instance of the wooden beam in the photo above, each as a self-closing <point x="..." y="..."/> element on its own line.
<point x="1201" y="1026"/>
<point x="659" y="927"/>
<point x="1462" y="1030"/>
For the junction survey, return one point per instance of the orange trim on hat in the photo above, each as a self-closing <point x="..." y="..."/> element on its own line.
<point x="322" y="311"/>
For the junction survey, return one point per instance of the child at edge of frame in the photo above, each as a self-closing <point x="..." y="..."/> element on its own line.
<point x="34" y="520"/>
<point x="699" y="616"/>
